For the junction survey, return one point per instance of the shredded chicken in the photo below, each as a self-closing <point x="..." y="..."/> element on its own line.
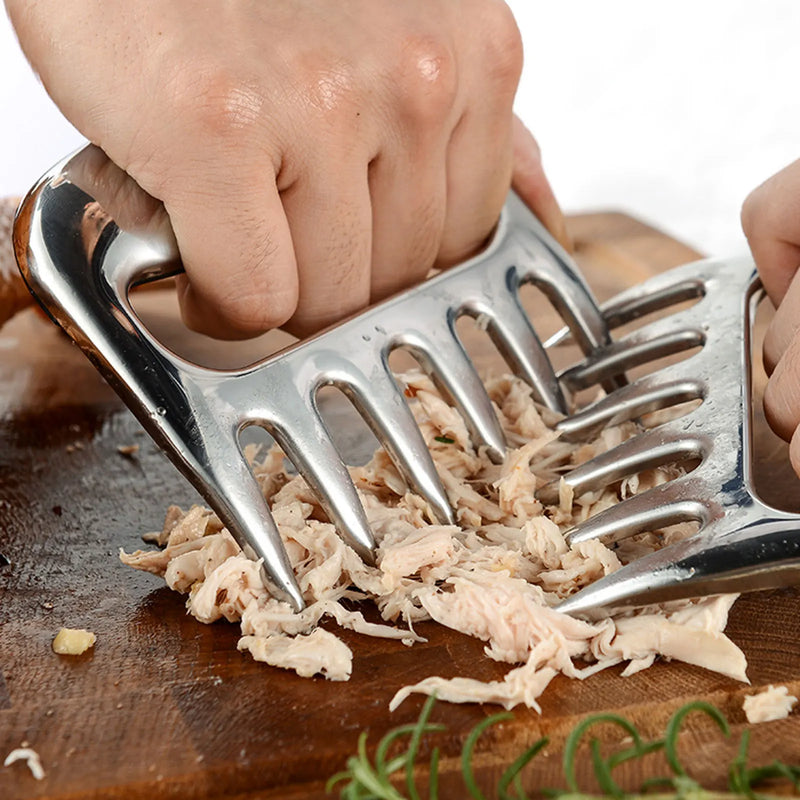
<point x="318" y="652"/>
<point x="773" y="703"/>
<point x="495" y="575"/>
<point x="31" y="757"/>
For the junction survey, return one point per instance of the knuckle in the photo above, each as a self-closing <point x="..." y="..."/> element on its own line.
<point x="781" y="408"/>
<point x="426" y="77"/>
<point x="502" y="45"/>
<point x="321" y="82"/>
<point x="330" y="91"/>
<point x="216" y="102"/>
<point x="751" y="213"/>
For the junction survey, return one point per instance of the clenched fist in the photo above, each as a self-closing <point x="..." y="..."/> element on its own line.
<point x="313" y="156"/>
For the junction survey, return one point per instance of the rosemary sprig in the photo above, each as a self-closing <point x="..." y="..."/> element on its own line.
<point x="367" y="780"/>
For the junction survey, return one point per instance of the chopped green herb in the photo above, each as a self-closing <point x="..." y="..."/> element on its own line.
<point x="444" y="439"/>
<point x="363" y="780"/>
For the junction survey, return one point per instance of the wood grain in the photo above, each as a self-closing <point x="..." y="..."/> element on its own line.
<point x="164" y="706"/>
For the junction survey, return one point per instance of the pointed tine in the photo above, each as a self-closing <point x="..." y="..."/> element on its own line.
<point x="649" y="393"/>
<point x="383" y="406"/>
<point x="666" y="504"/>
<point x="762" y="555"/>
<point x="665" y="444"/>
<point x="657" y="294"/>
<point x="551" y="268"/>
<point x="233" y="492"/>
<point x="514" y="336"/>
<point x="653" y="578"/>
<point x="663" y="338"/>
<point x="305" y="439"/>
<point x="443" y="356"/>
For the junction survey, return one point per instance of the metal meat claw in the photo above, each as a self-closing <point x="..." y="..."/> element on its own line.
<point x="86" y="234"/>
<point x="742" y="543"/>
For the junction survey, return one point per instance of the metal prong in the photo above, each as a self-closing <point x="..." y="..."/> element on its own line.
<point x="385" y="410"/>
<point x="305" y="439"/>
<point x="656" y="508"/>
<point x="514" y="336"/>
<point x="756" y="552"/>
<point x="649" y="393"/>
<point x="552" y="269"/>
<point x="661" y="292"/>
<point x="248" y="519"/>
<point x="665" y="444"/>
<point x="444" y="357"/>
<point x="644" y="581"/>
<point x="663" y="338"/>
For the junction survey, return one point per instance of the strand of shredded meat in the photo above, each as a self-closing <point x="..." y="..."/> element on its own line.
<point x="496" y="575"/>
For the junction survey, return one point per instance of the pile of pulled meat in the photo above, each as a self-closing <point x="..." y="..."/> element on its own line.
<point x="495" y="575"/>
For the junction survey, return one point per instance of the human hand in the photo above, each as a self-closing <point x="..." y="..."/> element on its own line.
<point x="771" y="222"/>
<point x="313" y="157"/>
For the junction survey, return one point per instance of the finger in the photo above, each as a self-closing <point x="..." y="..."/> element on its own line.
<point x="479" y="158"/>
<point x="782" y="394"/>
<point x="330" y="218"/>
<point x="784" y="326"/>
<point x="530" y="183"/>
<point x="771" y="222"/>
<point x="238" y="254"/>
<point x="409" y="195"/>
<point x="794" y="451"/>
<point x="478" y="180"/>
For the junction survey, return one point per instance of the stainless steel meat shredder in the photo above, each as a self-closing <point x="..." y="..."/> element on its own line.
<point x="742" y="543"/>
<point x="86" y="234"/>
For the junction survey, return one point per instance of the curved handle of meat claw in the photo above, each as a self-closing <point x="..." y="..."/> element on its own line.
<point x="84" y="235"/>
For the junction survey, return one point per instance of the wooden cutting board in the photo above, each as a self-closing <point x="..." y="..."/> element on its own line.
<point x="164" y="706"/>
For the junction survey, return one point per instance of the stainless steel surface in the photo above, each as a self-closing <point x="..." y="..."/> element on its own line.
<point x="87" y="233"/>
<point x="743" y="544"/>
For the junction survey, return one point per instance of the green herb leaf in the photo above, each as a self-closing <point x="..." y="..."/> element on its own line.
<point x="512" y="772"/>
<point x="574" y="739"/>
<point x="469" y="747"/>
<point x="433" y="781"/>
<point x="413" y="746"/>
<point x="444" y="439"/>
<point x="674" y="726"/>
<point x="364" y="781"/>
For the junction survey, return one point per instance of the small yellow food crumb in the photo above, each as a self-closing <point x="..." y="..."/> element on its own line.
<point x="73" y="641"/>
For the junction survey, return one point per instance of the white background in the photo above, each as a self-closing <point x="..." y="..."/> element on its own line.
<point x="669" y="111"/>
